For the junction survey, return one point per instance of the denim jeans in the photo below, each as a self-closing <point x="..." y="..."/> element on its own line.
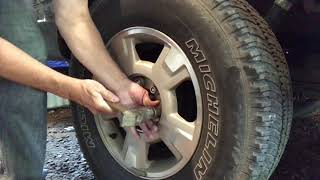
<point x="23" y="116"/>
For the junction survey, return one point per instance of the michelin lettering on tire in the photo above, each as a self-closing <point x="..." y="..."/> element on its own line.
<point x="85" y="130"/>
<point x="206" y="158"/>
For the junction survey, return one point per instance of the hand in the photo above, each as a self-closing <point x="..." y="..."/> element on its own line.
<point x="133" y="95"/>
<point x="93" y="96"/>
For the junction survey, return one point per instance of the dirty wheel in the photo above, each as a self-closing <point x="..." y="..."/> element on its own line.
<point x="222" y="80"/>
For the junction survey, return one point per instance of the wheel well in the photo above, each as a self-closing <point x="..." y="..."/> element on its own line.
<point x="299" y="37"/>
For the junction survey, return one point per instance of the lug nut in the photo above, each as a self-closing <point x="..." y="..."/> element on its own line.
<point x="139" y="81"/>
<point x="153" y="90"/>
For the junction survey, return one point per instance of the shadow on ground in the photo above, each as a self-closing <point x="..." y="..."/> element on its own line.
<point x="301" y="159"/>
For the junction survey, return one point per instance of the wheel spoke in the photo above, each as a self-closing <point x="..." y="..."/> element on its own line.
<point x="124" y="52"/>
<point x="177" y="78"/>
<point x="172" y="58"/>
<point x="177" y="134"/>
<point x="170" y="69"/>
<point x="135" y="152"/>
<point x="143" y="67"/>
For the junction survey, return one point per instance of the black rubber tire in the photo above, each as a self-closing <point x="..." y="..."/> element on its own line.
<point x="243" y="77"/>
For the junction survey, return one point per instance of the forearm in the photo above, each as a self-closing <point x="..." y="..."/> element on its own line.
<point x="86" y="44"/>
<point x="15" y="65"/>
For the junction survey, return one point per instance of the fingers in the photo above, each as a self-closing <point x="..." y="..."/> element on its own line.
<point x="109" y="96"/>
<point x="101" y="106"/>
<point x="150" y="131"/>
<point x="134" y="132"/>
<point x="146" y="131"/>
<point x="93" y="111"/>
<point x="152" y="126"/>
<point x="146" y="101"/>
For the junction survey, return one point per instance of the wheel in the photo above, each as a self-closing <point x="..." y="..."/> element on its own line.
<point x="222" y="80"/>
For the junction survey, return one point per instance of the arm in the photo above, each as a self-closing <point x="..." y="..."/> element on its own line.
<point x="82" y="37"/>
<point x="76" y="26"/>
<point x="16" y="65"/>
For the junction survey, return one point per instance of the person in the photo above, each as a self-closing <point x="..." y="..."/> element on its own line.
<point x="25" y="78"/>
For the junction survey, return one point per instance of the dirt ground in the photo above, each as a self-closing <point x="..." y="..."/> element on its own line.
<point x="301" y="160"/>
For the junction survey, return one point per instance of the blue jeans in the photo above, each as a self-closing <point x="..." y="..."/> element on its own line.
<point x="23" y="115"/>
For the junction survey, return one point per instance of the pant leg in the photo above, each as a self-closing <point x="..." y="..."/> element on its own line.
<point x="22" y="109"/>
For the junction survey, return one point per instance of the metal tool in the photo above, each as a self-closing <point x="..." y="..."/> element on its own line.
<point x="136" y="116"/>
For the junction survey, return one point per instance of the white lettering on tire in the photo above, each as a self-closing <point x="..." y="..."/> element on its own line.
<point x="206" y="158"/>
<point x="85" y="130"/>
<point x="87" y="136"/>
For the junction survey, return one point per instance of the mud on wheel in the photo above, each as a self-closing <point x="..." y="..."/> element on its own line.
<point x="222" y="80"/>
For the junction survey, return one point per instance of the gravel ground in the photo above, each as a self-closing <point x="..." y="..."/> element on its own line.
<point x="64" y="159"/>
<point x="301" y="160"/>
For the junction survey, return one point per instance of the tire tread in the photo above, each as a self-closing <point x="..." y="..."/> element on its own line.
<point x="266" y="69"/>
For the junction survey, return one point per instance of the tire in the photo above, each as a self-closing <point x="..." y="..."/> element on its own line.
<point x="243" y="81"/>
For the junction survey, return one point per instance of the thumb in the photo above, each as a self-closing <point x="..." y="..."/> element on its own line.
<point x="146" y="101"/>
<point x="109" y="96"/>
